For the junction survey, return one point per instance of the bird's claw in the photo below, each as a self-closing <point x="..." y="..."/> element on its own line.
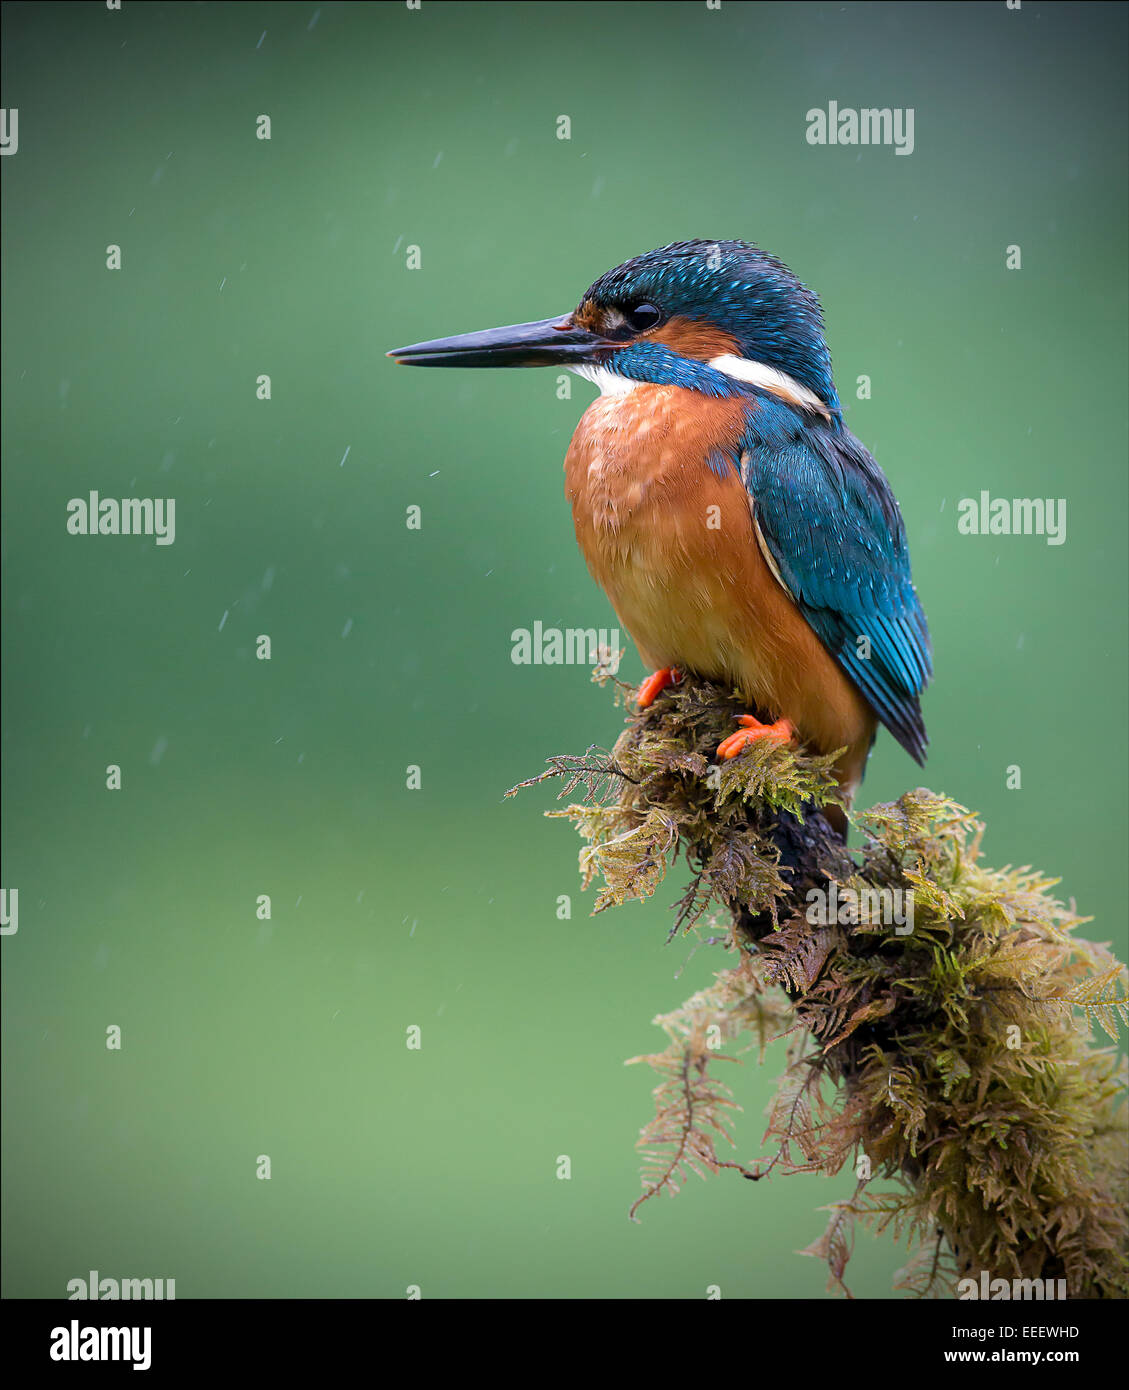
<point x="654" y="686"/>
<point x="751" y="731"/>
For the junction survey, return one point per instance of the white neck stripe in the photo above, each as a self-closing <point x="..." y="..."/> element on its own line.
<point x="740" y="368"/>
<point x="759" y="374"/>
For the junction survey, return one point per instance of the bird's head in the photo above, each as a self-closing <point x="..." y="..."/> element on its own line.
<point x="706" y="315"/>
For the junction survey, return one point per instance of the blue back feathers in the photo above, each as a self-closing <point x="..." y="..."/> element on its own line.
<point x="834" y="528"/>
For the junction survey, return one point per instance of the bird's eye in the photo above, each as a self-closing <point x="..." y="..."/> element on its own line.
<point x="643" y="316"/>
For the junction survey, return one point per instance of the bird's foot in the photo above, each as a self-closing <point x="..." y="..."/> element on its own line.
<point x="654" y="686"/>
<point x="751" y="731"/>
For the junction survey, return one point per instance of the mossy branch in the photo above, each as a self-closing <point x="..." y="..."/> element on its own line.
<point x="938" y="1012"/>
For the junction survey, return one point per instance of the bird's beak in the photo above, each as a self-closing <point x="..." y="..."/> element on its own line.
<point x="545" y="343"/>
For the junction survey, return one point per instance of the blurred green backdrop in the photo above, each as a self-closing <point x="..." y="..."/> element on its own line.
<point x="437" y="128"/>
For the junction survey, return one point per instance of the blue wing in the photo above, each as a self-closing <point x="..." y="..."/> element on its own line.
<point x="831" y="523"/>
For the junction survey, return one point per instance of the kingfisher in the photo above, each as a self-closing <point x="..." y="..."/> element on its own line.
<point x="741" y="532"/>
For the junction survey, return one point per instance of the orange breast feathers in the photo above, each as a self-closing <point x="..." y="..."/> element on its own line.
<point x="675" y="547"/>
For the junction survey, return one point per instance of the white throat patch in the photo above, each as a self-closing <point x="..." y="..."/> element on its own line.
<point x="779" y="383"/>
<point x="609" y="382"/>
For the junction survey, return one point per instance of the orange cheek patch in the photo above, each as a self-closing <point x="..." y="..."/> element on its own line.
<point x="692" y="338"/>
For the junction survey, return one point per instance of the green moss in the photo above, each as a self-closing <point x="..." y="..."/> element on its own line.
<point x="949" y="1061"/>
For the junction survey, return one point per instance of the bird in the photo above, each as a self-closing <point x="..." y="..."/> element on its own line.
<point x="742" y="533"/>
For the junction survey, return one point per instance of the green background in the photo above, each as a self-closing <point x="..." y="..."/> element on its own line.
<point x="391" y="647"/>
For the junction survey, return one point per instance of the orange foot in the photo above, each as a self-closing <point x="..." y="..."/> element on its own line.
<point x="752" y="730"/>
<point x="654" y="686"/>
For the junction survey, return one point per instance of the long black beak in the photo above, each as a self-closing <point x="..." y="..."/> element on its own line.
<point x="540" y="344"/>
